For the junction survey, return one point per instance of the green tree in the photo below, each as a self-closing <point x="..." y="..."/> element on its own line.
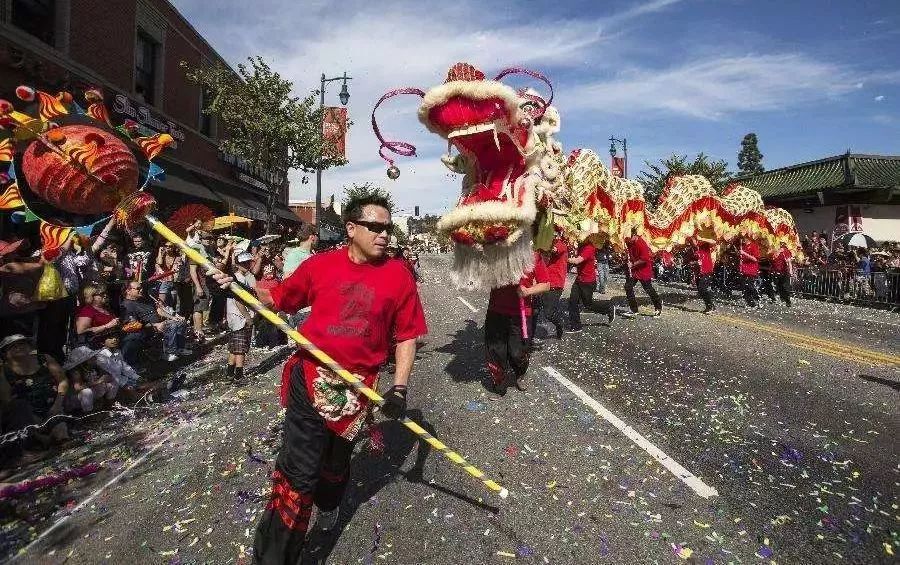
<point x="749" y="157"/>
<point x="654" y="180"/>
<point x="264" y="124"/>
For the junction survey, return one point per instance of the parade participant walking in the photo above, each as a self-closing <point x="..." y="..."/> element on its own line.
<point x="507" y="328"/>
<point x="640" y="269"/>
<point x="362" y="305"/>
<point x="749" y="267"/>
<point x="582" y="293"/>
<point x="783" y="272"/>
<point x="557" y="265"/>
<point x="703" y="249"/>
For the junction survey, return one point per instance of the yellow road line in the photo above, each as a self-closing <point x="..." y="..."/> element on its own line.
<point x="820" y="345"/>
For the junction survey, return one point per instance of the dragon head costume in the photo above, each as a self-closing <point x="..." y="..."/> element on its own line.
<point x="519" y="191"/>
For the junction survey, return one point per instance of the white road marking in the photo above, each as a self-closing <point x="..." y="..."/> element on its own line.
<point x="691" y="480"/>
<point x="466" y="302"/>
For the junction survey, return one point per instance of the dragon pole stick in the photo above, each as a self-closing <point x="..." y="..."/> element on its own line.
<point x="133" y="209"/>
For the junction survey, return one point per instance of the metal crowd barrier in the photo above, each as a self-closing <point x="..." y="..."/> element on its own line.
<point x="849" y="285"/>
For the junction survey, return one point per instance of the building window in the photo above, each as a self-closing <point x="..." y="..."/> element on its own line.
<point x="145" y="64"/>
<point x="206" y="120"/>
<point x="35" y="17"/>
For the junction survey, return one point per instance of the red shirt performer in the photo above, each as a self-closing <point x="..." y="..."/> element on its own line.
<point x="557" y="266"/>
<point x="508" y="328"/>
<point x="363" y="303"/>
<point x="749" y="267"/>
<point x="582" y="292"/>
<point x="703" y="248"/>
<point x="640" y="269"/>
<point x="783" y="272"/>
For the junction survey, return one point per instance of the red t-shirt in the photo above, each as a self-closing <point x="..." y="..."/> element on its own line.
<point x="587" y="269"/>
<point x="780" y="261"/>
<point x="505" y="299"/>
<point x="97" y="317"/>
<point x="704" y="257"/>
<point x="267" y="284"/>
<point x="358" y="311"/>
<point x="748" y="267"/>
<point x="638" y="250"/>
<point x="558" y="264"/>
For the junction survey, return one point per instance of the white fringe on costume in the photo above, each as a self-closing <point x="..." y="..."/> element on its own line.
<point x="493" y="266"/>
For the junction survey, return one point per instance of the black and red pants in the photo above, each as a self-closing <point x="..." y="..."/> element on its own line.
<point x="507" y="350"/>
<point x="313" y="467"/>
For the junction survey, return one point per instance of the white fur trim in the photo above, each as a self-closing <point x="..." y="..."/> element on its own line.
<point x="477" y="90"/>
<point x="491" y="211"/>
<point x="492" y="267"/>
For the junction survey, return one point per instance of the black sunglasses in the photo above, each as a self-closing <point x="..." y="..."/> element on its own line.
<point x="375" y="227"/>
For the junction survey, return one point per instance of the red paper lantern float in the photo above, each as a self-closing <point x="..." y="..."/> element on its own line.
<point x="87" y="171"/>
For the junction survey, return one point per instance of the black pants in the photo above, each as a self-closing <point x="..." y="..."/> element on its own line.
<point x="704" y="284"/>
<point x="507" y="351"/>
<point x="54" y="323"/>
<point x="185" y="293"/>
<point x="550" y="308"/>
<point x="313" y="467"/>
<point x="783" y="286"/>
<point x="751" y="293"/>
<point x="648" y="288"/>
<point x="216" y="306"/>
<point x="583" y="294"/>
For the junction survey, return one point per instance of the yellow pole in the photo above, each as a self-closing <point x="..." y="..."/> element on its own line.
<point x="323" y="357"/>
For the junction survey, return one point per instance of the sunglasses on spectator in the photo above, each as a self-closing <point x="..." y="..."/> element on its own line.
<point x="375" y="227"/>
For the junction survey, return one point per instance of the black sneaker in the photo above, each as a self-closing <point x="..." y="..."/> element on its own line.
<point x="496" y="392"/>
<point x="574" y="330"/>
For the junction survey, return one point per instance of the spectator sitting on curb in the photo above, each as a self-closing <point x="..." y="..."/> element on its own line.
<point x="172" y="328"/>
<point x="34" y="379"/>
<point x="87" y="382"/>
<point x="110" y="360"/>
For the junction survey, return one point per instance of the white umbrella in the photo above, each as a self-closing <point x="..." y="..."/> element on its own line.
<point x="857" y="240"/>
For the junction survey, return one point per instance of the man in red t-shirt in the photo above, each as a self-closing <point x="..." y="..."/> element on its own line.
<point x="557" y="266"/>
<point x="363" y="303"/>
<point x="640" y="269"/>
<point x="508" y="320"/>
<point x="703" y="250"/>
<point x="582" y="293"/>
<point x="749" y="267"/>
<point x="783" y="272"/>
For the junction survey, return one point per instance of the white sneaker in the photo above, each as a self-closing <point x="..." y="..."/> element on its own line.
<point x="326" y="521"/>
<point x="628" y="314"/>
<point x="185" y="352"/>
<point x="172" y="357"/>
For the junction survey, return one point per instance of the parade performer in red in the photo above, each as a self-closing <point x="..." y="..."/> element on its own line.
<point x="703" y="248"/>
<point x="640" y="269"/>
<point x="749" y="267"/>
<point x="582" y="292"/>
<point x="557" y="266"/>
<point x="506" y="328"/>
<point x="783" y="272"/>
<point x="362" y="303"/>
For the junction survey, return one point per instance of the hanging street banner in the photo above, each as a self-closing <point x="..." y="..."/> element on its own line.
<point x="334" y="131"/>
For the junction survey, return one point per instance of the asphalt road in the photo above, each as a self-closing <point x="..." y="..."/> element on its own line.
<point x="740" y="437"/>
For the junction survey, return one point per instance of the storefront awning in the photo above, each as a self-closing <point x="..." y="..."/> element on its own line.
<point x="287" y="214"/>
<point x="181" y="180"/>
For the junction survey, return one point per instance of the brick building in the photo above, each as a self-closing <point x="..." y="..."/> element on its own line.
<point x="132" y="49"/>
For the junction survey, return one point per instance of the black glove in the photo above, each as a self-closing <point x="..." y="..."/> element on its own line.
<point x="395" y="402"/>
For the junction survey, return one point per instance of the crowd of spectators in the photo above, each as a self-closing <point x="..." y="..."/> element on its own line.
<point x="107" y="318"/>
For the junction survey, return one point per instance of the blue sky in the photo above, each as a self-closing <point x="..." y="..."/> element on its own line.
<point x="812" y="78"/>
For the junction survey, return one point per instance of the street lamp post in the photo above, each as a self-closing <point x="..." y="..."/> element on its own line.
<point x="612" y="151"/>
<point x="344" y="97"/>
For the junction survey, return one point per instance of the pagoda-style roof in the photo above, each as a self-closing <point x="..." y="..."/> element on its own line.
<point x="844" y="174"/>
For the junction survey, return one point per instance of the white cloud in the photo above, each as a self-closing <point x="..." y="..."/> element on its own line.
<point x="384" y="47"/>
<point x="715" y="88"/>
<point x="879" y="98"/>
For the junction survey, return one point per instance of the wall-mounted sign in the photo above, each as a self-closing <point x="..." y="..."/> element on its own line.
<point x="258" y="177"/>
<point x="123" y="106"/>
